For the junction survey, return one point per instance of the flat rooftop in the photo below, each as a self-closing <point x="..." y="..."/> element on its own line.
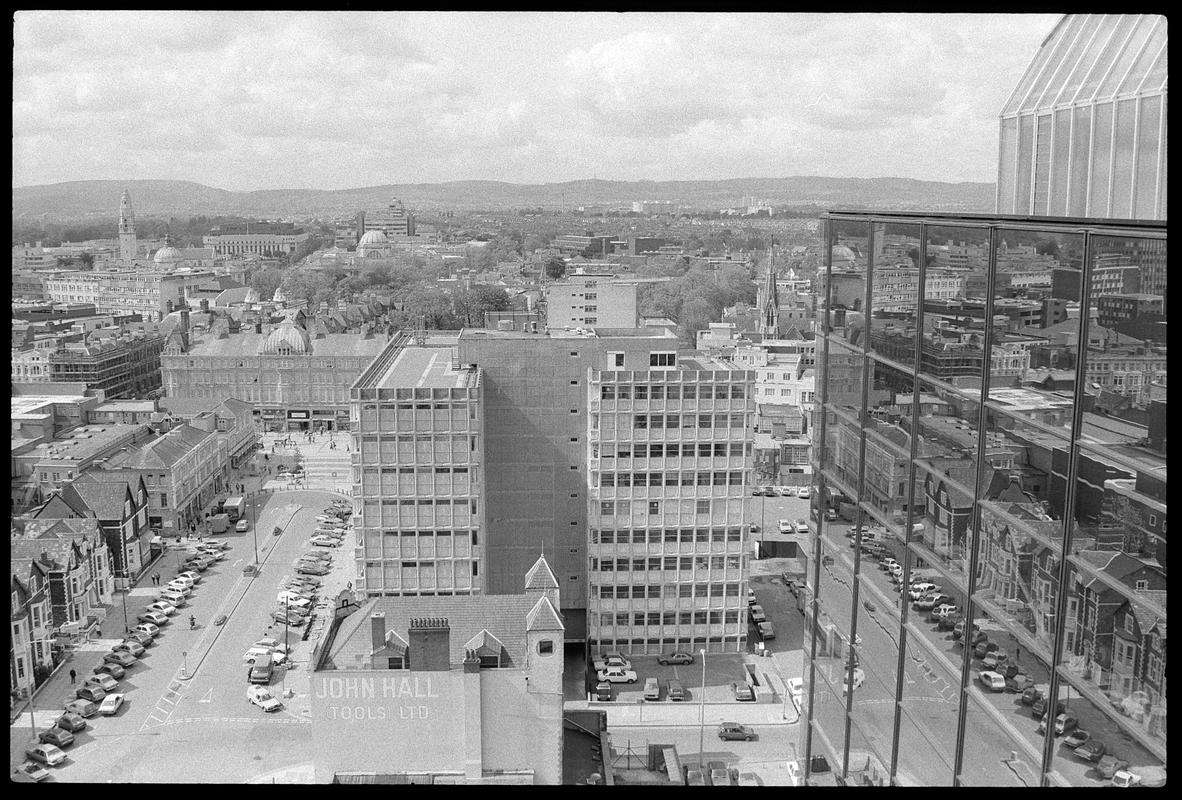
<point x="25" y="405"/>
<point x="427" y="367"/>
<point x="572" y="333"/>
<point x="86" y="442"/>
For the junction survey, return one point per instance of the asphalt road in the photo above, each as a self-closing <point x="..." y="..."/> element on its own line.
<point x="187" y="718"/>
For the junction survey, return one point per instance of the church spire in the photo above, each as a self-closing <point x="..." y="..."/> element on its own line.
<point x="127" y="239"/>
<point x="770" y="319"/>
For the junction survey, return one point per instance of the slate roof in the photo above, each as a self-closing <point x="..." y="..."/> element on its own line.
<point x="104" y="495"/>
<point x="540" y="576"/>
<point x="504" y="616"/>
<point x="1113" y="563"/>
<point x="544" y="617"/>
<point x="163" y="452"/>
<point x="61" y="528"/>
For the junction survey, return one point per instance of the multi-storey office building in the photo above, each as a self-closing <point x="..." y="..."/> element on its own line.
<point x="416" y="418"/>
<point x="1047" y="532"/>
<point x="669" y="449"/>
<point x="127" y="365"/>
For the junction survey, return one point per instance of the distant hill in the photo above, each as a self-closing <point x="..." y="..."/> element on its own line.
<point x="94" y="200"/>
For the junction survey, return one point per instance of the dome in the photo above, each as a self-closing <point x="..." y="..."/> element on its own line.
<point x="287" y="339"/>
<point x="372" y="238"/>
<point x="843" y="253"/>
<point x="279" y="296"/>
<point x="168" y="255"/>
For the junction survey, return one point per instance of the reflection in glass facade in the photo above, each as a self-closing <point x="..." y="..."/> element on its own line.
<point x="1084" y="132"/>
<point x="989" y="515"/>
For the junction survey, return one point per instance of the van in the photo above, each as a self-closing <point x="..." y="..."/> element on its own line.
<point x="757" y="614"/>
<point x="176" y="598"/>
<point x="652" y="689"/>
<point x="260" y="671"/>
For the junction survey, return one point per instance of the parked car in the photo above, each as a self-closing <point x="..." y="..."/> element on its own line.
<point x="154" y="617"/>
<point x="29" y="772"/>
<point x="992" y="681"/>
<point x="694" y="776"/>
<point x="273" y="644"/>
<point x="311" y="569"/>
<point x="83" y="708"/>
<point x="1064" y="723"/>
<point x="859" y="679"/>
<point x="114" y="670"/>
<point x="949" y="622"/>
<point x="787" y="526"/>
<point x="47" y="754"/>
<point x="183" y="579"/>
<point x="149" y="627"/>
<point x="214" y="544"/>
<point x="926" y="603"/>
<point x="318" y="555"/>
<point x="1018" y="682"/>
<point x="174" y="599"/>
<point x="1038" y="707"/>
<point x="802" y="526"/>
<point x="804" y="492"/>
<point x="617" y="675"/>
<point x="141" y="638"/>
<point x="251" y="655"/>
<point x="1031" y="696"/>
<point x="611" y="659"/>
<point x="794" y="776"/>
<point x="261" y="696"/>
<point x="995" y="659"/>
<point x="652" y="689"/>
<point x="104" y="682"/>
<point x="180" y="587"/>
<point x="757" y="614"/>
<point x="603" y="691"/>
<point x="796" y="689"/>
<point x="324" y="541"/>
<point x="749" y="779"/>
<point x="94" y="694"/>
<point x="983" y="647"/>
<point x="195" y="577"/>
<point x="71" y="722"/>
<point x="162" y="606"/>
<point x="292" y="618"/>
<point x="943" y="610"/>
<point x="733" y="731"/>
<point x="1077" y="738"/>
<point x="112" y="704"/>
<point x="743" y="692"/>
<point x="718" y="774"/>
<point x="918" y="590"/>
<point x="1092" y="750"/>
<point x="1110" y="764"/>
<point x="1124" y="779"/>
<point x="678" y="657"/>
<point x="766" y="631"/>
<point x="58" y="737"/>
<point x="242" y="526"/>
<point x="675" y="691"/>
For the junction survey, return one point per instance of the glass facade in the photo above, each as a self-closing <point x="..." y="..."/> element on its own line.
<point x="1084" y="132"/>
<point x="989" y="510"/>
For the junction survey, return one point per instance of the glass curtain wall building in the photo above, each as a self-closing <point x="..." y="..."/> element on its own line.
<point x="986" y="587"/>
<point x="1084" y="132"/>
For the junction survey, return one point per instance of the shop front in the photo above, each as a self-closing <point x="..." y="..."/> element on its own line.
<point x="299" y="420"/>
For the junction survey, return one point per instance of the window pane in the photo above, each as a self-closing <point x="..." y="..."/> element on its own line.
<point x="1025" y="163"/>
<point x="1057" y="204"/>
<point x="1077" y="204"/>
<point x="1006" y="156"/>
<point x="1042" y="164"/>
<point x="894" y="300"/>
<point x="1122" y="167"/>
<point x="1148" y="145"/>
<point x="1101" y="156"/>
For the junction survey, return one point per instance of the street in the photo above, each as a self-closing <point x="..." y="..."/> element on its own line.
<point x="186" y="718"/>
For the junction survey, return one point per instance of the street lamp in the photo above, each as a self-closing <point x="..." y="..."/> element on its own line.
<point x="702" y="714"/>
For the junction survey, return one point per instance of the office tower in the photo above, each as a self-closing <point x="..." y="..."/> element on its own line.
<point x="985" y="537"/>
<point x="1084" y="132"/>
<point x="669" y="457"/>
<point x="418" y="452"/>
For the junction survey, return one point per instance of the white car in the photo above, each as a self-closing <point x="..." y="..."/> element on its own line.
<point x="148" y="628"/>
<point x="859" y="679"/>
<point x="617" y="675"/>
<point x="180" y="587"/>
<point x="111" y="704"/>
<point x="261" y="696"/>
<point x="242" y="526"/>
<point x="163" y="606"/>
<point x="253" y="653"/>
<point x="325" y="541"/>
<point x="611" y="661"/>
<point x="794" y="773"/>
<point x="802" y="526"/>
<point x="153" y="617"/>
<point x="272" y="644"/>
<point x="195" y="577"/>
<point x="804" y="493"/>
<point x="796" y="689"/>
<point x="787" y="526"/>
<point x="993" y="681"/>
<point x="326" y="519"/>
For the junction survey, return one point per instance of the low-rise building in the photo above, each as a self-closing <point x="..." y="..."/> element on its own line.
<point x="479" y="678"/>
<point x="30" y="651"/>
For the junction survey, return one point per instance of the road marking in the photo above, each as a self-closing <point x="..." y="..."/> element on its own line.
<point x="208" y="698"/>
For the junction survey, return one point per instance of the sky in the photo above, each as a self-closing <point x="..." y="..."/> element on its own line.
<point x="333" y="100"/>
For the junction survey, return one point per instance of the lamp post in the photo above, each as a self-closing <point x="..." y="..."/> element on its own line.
<point x="254" y="534"/>
<point x="702" y="714"/>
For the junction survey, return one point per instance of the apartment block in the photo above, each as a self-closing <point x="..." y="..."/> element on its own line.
<point x="669" y="462"/>
<point x="417" y="423"/>
<point x="591" y="300"/>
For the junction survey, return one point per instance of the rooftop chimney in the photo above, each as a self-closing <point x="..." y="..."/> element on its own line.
<point x="377" y="623"/>
<point x="430" y="645"/>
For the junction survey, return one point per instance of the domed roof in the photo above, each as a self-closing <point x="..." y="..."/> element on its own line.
<point x="168" y="255"/>
<point x="288" y="336"/>
<point x="843" y="253"/>
<point x="279" y="296"/>
<point x="372" y="237"/>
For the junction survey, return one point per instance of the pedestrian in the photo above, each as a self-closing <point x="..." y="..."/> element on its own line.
<point x="73" y="676"/>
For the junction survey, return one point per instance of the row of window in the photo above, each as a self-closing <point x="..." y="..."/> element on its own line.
<point x="612" y="507"/>
<point x="689" y="591"/>
<point x="656" y="563"/>
<point x="653" y="479"/>
<point x="425" y="501"/>
<point x="662" y="643"/>
<point x="669" y="617"/>
<point x="669" y="535"/>
<point x="673" y="392"/>
<point x="418" y="470"/>
<point x="671" y="449"/>
<point x="673" y="421"/>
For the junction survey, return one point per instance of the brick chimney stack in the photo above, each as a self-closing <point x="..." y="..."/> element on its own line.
<point x="430" y="644"/>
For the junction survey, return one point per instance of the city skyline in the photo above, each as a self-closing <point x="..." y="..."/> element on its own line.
<point x="283" y="100"/>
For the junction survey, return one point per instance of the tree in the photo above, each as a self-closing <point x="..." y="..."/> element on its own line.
<point x="471" y="304"/>
<point x="555" y="267"/>
<point x="433" y="305"/>
<point x="1047" y="247"/>
<point x="87" y="260"/>
<point x="266" y="281"/>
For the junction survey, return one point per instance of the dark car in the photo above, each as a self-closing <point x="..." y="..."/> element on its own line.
<point x="95" y="694"/>
<point x="70" y="722"/>
<point x="983" y="647"/>
<point x="1039" y="707"/>
<point x="949" y="622"/>
<point x="679" y="657"/>
<point x="120" y="657"/>
<point x="603" y="691"/>
<point x="1077" y="738"/>
<point x="114" y="670"/>
<point x="1091" y="750"/>
<point x="56" y="736"/>
<point x="1031" y="696"/>
<point x="675" y="692"/>
<point x="733" y="731"/>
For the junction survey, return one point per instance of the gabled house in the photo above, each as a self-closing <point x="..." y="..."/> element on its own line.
<point x="30" y="652"/>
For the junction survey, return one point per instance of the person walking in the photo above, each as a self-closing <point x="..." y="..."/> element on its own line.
<point x="73" y="677"/>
